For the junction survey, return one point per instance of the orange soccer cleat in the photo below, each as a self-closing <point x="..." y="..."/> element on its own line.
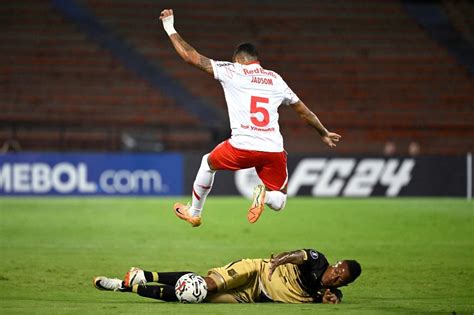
<point x="182" y="211"/>
<point x="134" y="276"/>
<point x="258" y="204"/>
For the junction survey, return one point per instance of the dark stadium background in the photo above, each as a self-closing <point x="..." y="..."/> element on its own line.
<point x="95" y="103"/>
<point x="81" y="75"/>
<point x="394" y="78"/>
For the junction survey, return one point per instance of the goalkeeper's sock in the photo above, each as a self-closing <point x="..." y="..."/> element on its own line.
<point x="201" y="187"/>
<point x="159" y="292"/>
<point x="150" y="276"/>
<point x="169" y="278"/>
<point x="126" y="289"/>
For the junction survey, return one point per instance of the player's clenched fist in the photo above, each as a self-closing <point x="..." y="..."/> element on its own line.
<point x="167" y="18"/>
<point x="165" y="13"/>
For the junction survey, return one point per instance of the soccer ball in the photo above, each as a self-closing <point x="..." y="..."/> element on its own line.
<point x="191" y="288"/>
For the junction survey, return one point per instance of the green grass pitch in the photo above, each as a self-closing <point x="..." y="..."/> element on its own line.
<point x="417" y="255"/>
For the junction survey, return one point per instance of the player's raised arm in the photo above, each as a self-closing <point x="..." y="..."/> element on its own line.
<point x="330" y="138"/>
<point x="186" y="51"/>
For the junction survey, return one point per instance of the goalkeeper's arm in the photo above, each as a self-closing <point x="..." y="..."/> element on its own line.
<point x="296" y="257"/>
<point x="186" y="51"/>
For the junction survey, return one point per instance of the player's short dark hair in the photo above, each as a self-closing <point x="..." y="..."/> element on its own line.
<point x="354" y="269"/>
<point x="246" y="48"/>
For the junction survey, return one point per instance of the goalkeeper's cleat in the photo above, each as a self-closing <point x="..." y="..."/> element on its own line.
<point x="258" y="204"/>
<point x="182" y="211"/>
<point x="134" y="276"/>
<point x="108" y="284"/>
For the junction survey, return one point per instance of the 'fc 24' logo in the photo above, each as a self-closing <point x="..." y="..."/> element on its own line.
<point x="333" y="177"/>
<point x="340" y="176"/>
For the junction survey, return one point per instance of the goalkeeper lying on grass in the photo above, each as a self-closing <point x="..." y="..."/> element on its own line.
<point x="301" y="276"/>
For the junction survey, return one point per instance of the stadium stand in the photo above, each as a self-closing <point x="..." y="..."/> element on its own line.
<point x="61" y="92"/>
<point x="460" y="12"/>
<point x="365" y="67"/>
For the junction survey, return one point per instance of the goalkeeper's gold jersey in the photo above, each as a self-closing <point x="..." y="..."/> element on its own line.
<point x="247" y="281"/>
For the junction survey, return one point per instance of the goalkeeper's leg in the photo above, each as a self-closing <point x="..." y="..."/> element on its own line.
<point x="139" y="276"/>
<point x="159" y="292"/>
<point x="165" y="292"/>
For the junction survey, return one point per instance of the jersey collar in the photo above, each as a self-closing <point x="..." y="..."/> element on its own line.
<point x="256" y="62"/>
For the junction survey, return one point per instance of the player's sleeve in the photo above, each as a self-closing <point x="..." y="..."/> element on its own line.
<point x="314" y="259"/>
<point x="223" y="70"/>
<point x="312" y="269"/>
<point x="289" y="97"/>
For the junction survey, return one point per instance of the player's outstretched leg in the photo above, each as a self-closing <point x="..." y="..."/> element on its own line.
<point x="258" y="204"/>
<point x="108" y="284"/>
<point x="182" y="211"/>
<point x="137" y="276"/>
<point x="201" y="188"/>
<point x="136" y="281"/>
<point x="159" y="292"/>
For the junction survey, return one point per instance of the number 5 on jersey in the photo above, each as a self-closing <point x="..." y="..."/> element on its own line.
<point x="255" y="108"/>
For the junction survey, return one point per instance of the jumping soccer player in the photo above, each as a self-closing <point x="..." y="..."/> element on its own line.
<point x="301" y="276"/>
<point x="253" y="95"/>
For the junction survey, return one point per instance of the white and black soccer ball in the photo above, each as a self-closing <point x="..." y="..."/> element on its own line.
<point x="191" y="288"/>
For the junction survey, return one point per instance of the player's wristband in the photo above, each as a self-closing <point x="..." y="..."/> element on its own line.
<point x="168" y="25"/>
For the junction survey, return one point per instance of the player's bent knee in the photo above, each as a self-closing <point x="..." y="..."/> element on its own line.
<point x="276" y="200"/>
<point x="205" y="163"/>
